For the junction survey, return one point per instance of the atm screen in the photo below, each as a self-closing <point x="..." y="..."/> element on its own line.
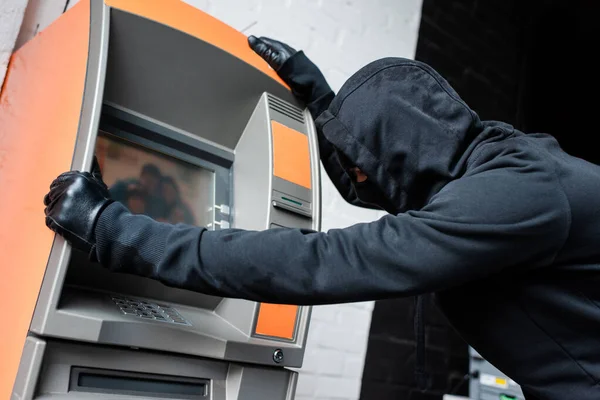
<point x="151" y="183"/>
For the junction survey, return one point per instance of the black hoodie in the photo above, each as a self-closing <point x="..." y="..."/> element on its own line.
<point x="504" y="227"/>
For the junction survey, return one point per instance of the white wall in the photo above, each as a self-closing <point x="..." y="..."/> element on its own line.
<point x="340" y="36"/>
<point x="11" y="16"/>
<point x="40" y="14"/>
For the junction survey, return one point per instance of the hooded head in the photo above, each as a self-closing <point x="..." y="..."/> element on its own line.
<point x="403" y="125"/>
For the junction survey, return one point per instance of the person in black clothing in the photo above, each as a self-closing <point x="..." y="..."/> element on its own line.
<point x="504" y="227"/>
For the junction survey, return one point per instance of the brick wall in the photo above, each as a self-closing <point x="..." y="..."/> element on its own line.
<point x="559" y="73"/>
<point x="390" y="362"/>
<point x="477" y="46"/>
<point x="340" y="36"/>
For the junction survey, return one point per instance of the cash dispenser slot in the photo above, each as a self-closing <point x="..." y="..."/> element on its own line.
<point x="93" y="380"/>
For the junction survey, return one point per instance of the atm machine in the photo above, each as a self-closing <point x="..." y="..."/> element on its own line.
<point x="488" y="383"/>
<point x="171" y="102"/>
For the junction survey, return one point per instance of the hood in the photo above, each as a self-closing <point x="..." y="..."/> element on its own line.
<point x="403" y="125"/>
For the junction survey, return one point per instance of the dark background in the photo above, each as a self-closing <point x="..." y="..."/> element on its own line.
<point x="528" y="63"/>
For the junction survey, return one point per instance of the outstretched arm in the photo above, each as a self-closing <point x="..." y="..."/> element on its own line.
<point x="464" y="234"/>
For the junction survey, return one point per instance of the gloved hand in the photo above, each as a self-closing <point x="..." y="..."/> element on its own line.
<point x="73" y="205"/>
<point x="274" y="52"/>
<point x="302" y="76"/>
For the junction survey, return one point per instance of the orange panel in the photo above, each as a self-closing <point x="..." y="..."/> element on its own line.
<point x="188" y="19"/>
<point x="277" y="320"/>
<point x="291" y="155"/>
<point x="40" y="106"/>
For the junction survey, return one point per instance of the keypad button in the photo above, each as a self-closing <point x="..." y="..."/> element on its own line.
<point x="148" y="310"/>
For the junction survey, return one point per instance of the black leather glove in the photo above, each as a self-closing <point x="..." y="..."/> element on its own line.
<point x="73" y="205"/>
<point x="274" y="52"/>
<point x="302" y="76"/>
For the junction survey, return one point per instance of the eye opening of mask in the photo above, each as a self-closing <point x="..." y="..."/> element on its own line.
<point x="366" y="190"/>
<point x="354" y="172"/>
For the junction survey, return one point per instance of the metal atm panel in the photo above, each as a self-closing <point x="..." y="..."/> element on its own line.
<point x="489" y="383"/>
<point x="149" y="81"/>
<point x="71" y="370"/>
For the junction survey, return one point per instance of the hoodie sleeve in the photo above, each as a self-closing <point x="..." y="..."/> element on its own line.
<point x="475" y="227"/>
<point x="307" y="83"/>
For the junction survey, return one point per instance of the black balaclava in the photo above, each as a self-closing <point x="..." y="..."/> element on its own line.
<point x="367" y="192"/>
<point x="406" y="129"/>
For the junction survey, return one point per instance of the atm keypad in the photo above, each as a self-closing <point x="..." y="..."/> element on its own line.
<point x="149" y="311"/>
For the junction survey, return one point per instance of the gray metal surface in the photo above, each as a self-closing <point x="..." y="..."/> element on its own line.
<point x="29" y="369"/>
<point x="288" y="219"/>
<point x="163" y="128"/>
<point x="82" y="156"/>
<point x="287" y="109"/>
<point x="285" y="201"/>
<point x="187" y="83"/>
<point x="291" y="390"/>
<point x="94" y="87"/>
<point x="54" y="366"/>
<point x="60" y="357"/>
<point x="265" y="384"/>
<point x="234" y="381"/>
<point x="292" y="189"/>
<point x="252" y="171"/>
<point x="239" y="313"/>
<point x="261" y="351"/>
<point x="315" y="167"/>
<point x="486" y="386"/>
<point x="287" y="113"/>
<point x="91" y="316"/>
